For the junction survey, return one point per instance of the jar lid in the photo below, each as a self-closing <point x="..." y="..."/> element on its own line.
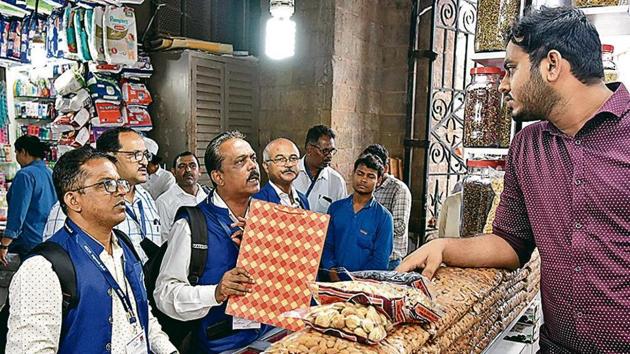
<point x="482" y="163"/>
<point x="608" y="48"/>
<point x="486" y="70"/>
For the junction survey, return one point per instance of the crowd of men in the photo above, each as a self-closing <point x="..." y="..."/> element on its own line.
<point x="118" y="210"/>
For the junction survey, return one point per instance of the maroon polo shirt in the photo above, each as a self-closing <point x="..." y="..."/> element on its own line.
<point x="570" y="197"/>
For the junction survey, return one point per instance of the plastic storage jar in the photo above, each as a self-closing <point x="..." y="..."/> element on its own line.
<point x="485" y="121"/>
<point x="478" y="194"/>
<point x="494" y="18"/>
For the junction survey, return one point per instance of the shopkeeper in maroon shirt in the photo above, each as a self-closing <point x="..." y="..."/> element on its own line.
<point x="567" y="187"/>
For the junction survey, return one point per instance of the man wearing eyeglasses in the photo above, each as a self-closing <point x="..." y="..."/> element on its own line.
<point x="321" y="184"/>
<point x="111" y="313"/>
<point x="142" y="224"/>
<point x="280" y="160"/>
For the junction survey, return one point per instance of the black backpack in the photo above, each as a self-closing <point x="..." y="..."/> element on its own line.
<point x="178" y="330"/>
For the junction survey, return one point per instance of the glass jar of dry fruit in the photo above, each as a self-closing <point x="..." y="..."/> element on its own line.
<point x="484" y="117"/>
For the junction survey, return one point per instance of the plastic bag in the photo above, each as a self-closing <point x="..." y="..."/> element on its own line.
<point x="108" y="114"/>
<point x="353" y="322"/>
<point x="71" y="39"/>
<point x="136" y="94"/>
<point x="138" y="118"/>
<point x="81" y="35"/>
<point x="73" y="104"/>
<point x="69" y="82"/>
<point x="401" y="304"/>
<point x="95" y="37"/>
<point x="104" y="86"/>
<point x="120" y="39"/>
<point x="5" y="28"/>
<point x="412" y="279"/>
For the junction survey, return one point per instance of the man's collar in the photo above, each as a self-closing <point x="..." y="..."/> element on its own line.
<point x="220" y="203"/>
<point x="181" y="191"/>
<point x="324" y="173"/>
<point x="280" y="192"/>
<point x="613" y="108"/>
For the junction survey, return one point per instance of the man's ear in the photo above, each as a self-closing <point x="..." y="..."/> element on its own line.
<point x="71" y="199"/>
<point x="217" y="177"/>
<point x="552" y="66"/>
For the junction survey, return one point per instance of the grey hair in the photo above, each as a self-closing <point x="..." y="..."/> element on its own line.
<point x="266" y="152"/>
<point x="212" y="159"/>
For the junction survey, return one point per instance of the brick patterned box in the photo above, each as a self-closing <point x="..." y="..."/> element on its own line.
<point x="281" y="249"/>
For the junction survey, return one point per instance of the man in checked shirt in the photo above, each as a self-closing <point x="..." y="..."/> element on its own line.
<point x="567" y="186"/>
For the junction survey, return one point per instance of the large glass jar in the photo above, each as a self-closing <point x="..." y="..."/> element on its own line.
<point x="610" y="68"/>
<point x="484" y="118"/>
<point x="593" y="3"/>
<point x="478" y="194"/>
<point x="494" y="18"/>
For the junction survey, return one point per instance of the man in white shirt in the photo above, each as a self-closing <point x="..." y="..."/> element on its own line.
<point x="321" y="184"/>
<point x="142" y="224"/>
<point x="186" y="192"/>
<point x="160" y="180"/>
<point x="280" y="159"/>
<point x="92" y="194"/>
<point x="234" y="172"/>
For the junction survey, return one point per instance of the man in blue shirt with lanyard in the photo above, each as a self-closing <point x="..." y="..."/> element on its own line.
<point x="360" y="230"/>
<point x="234" y="172"/>
<point x="112" y="313"/>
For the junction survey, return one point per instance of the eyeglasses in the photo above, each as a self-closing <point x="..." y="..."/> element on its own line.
<point x="325" y="152"/>
<point x="110" y="185"/>
<point x="282" y="160"/>
<point x="137" y="155"/>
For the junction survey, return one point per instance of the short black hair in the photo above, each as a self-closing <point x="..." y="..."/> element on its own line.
<point x="182" y="154"/>
<point x="212" y="159"/>
<point x="109" y="141"/>
<point x="370" y="161"/>
<point x="565" y="29"/>
<point x="32" y="145"/>
<point x="379" y="151"/>
<point x="68" y="174"/>
<point x="316" y="132"/>
<point x="155" y="160"/>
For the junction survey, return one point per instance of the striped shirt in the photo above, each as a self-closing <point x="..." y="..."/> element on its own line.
<point x="395" y="196"/>
<point x="141" y="211"/>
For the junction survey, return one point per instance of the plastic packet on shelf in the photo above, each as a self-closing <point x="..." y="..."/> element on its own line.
<point x="138" y="118"/>
<point x="108" y="114"/>
<point x="69" y="82"/>
<point x="72" y="104"/>
<point x="103" y="86"/>
<point x="136" y="93"/>
<point x="401" y="304"/>
<point x="412" y="279"/>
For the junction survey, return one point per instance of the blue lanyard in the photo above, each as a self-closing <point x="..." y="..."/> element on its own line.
<point x="124" y="297"/>
<point x="132" y="215"/>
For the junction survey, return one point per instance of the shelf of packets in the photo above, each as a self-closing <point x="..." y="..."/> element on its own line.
<point x="462" y="310"/>
<point x="84" y="33"/>
<point x="85" y="100"/>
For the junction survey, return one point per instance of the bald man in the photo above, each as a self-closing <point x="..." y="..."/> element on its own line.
<point x="280" y="159"/>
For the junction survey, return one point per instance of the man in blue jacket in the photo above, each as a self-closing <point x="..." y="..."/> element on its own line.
<point x="233" y="169"/>
<point x="360" y="230"/>
<point x="280" y="159"/>
<point x="112" y="313"/>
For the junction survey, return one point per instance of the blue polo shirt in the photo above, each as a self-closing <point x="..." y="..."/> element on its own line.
<point x="30" y="199"/>
<point x="361" y="241"/>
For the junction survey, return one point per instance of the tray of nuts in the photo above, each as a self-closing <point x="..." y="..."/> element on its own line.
<point x="357" y="323"/>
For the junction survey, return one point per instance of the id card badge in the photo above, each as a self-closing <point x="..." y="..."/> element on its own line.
<point x="137" y="345"/>
<point x="242" y="323"/>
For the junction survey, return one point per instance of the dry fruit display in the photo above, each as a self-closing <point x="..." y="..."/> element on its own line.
<point x="401" y="304"/>
<point x="478" y="194"/>
<point x="494" y="18"/>
<point x="486" y="123"/>
<point x="353" y="322"/>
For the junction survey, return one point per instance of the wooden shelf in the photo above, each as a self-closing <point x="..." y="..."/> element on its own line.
<point x="610" y="20"/>
<point x="489" y="58"/>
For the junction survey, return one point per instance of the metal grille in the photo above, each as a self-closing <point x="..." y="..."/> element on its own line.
<point x="169" y="18"/>
<point x="452" y="41"/>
